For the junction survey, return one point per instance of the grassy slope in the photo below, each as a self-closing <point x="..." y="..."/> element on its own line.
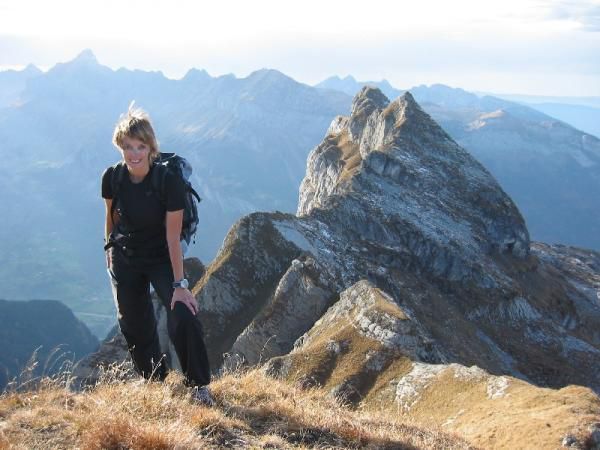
<point x="252" y="411"/>
<point x="489" y="411"/>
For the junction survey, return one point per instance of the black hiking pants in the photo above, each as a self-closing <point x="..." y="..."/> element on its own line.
<point x="131" y="279"/>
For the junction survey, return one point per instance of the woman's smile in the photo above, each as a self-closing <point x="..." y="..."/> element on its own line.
<point x="136" y="155"/>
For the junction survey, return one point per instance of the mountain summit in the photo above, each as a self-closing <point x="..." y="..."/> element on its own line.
<point x="558" y="198"/>
<point x="407" y="282"/>
<point x="84" y="64"/>
<point x="394" y="214"/>
<point x="389" y="198"/>
<point x="418" y="187"/>
<point x="86" y="57"/>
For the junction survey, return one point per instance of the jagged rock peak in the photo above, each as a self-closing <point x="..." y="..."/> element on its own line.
<point x="375" y="123"/>
<point x="86" y="57"/>
<point x="32" y="69"/>
<point x="84" y="62"/>
<point x="367" y="100"/>
<point x="409" y="99"/>
<point x="395" y="156"/>
<point x="196" y="75"/>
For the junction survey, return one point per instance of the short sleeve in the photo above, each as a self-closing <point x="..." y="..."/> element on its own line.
<point x="175" y="190"/>
<point x="106" y="183"/>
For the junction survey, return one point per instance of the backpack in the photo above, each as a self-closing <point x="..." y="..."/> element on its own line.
<point x="166" y="162"/>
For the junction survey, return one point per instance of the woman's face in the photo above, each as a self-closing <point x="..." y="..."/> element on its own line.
<point x="136" y="155"/>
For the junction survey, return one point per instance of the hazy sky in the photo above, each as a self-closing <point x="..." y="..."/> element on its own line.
<point x="508" y="46"/>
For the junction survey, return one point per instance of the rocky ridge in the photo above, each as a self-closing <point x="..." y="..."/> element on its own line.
<point x="389" y="197"/>
<point x="406" y="266"/>
<point x="404" y="256"/>
<point x="537" y="158"/>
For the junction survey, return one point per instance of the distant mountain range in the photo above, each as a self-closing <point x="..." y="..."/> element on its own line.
<point x="247" y="140"/>
<point x="14" y="82"/>
<point x="585" y="118"/>
<point x="582" y="113"/>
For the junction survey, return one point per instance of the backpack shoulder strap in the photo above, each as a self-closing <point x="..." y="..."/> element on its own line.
<point x="116" y="179"/>
<point x="195" y="194"/>
<point x="158" y="176"/>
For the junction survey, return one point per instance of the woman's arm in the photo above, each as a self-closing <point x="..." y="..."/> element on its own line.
<point x="174" y="223"/>
<point x="108" y="224"/>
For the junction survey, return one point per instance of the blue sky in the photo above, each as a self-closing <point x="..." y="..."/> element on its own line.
<point x="525" y="46"/>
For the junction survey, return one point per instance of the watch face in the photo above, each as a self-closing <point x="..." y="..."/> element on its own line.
<point x="183" y="283"/>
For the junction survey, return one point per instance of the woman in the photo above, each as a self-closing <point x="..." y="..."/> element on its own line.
<point x="142" y="232"/>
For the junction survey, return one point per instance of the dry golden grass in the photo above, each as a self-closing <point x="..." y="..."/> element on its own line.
<point x="524" y="417"/>
<point x="350" y="155"/>
<point x="252" y="411"/>
<point x="488" y="411"/>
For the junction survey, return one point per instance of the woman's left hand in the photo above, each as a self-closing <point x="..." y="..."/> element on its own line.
<point x="186" y="297"/>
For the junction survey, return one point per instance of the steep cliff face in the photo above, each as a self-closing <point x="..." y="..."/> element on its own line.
<point x="558" y="199"/>
<point x="394" y="161"/>
<point x="390" y="198"/>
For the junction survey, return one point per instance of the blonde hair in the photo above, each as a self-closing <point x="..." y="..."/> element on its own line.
<point x="135" y="124"/>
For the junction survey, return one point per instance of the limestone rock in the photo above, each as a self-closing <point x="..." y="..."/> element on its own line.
<point x="299" y="299"/>
<point x="241" y="280"/>
<point x="390" y="199"/>
<point x="490" y="411"/>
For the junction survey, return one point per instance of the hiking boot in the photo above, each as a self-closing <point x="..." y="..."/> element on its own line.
<point x="202" y="396"/>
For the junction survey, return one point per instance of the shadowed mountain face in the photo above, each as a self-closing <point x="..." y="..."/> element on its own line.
<point x="13" y="83"/>
<point x="43" y="329"/>
<point x="392" y="208"/>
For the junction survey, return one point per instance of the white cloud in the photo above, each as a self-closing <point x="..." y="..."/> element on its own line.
<point x="586" y="14"/>
<point x="239" y="21"/>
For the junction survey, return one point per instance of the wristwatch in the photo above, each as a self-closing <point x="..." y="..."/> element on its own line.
<point x="183" y="283"/>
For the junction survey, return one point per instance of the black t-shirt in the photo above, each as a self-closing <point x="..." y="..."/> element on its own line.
<point x="143" y="212"/>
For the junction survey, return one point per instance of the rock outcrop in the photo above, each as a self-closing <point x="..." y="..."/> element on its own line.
<point x="390" y="198"/>
<point x="405" y="266"/>
<point x="367" y="350"/>
<point x="407" y="281"/>
<point x="300" y="297"/>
